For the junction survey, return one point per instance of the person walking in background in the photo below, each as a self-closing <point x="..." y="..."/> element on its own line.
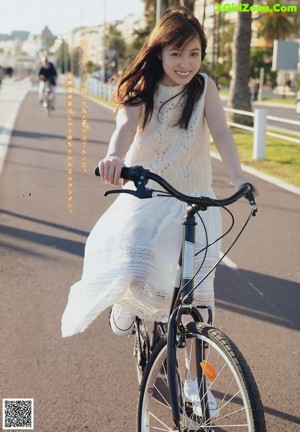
<point x="254" y="88"/>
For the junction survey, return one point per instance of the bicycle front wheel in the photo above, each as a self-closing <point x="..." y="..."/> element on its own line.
<point x="226" y="385"/>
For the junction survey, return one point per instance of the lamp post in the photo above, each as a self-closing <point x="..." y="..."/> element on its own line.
<point x="158" y="9"/>
<point x="103" y="42"/>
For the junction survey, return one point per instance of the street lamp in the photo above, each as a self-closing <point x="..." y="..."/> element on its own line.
<point x="103" y="42"/>
<point x="158" y="9"/>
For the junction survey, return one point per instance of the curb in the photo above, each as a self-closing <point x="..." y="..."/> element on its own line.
<point x="266" y="177"/>
<point x="7" y="130"/>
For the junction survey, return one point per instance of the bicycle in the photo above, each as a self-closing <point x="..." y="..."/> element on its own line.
<point x="47" y="97"/>
<point x="167" y="355"/>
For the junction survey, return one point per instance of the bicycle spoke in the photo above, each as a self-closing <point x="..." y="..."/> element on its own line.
<point x="159" y="421"/>
<point x="226" y="396"/>
<point x="166" y="404"/>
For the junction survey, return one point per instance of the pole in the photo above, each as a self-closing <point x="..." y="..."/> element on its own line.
<point x="72" y="54"/>
<point x="65" y="57"/>
<point x="260" y="118"/>
<point x="103" y="42"/>
<point x="158" y="10"/>
<point x="261" y="83"/>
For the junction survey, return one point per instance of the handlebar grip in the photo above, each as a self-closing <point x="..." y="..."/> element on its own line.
<point x="127" y="173"/>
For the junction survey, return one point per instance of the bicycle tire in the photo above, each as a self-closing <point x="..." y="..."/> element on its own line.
<point x="233" y="388"/>
<point x="146" y="337"/>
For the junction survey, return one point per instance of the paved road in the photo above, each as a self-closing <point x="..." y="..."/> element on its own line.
<point x="286" y="112"/>
<point x="87" y="382"/>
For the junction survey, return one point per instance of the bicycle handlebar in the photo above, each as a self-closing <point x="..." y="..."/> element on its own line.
<point x="140" y="177"/>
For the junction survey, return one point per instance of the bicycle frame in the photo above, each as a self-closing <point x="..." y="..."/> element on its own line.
<point x="184" y="284"/>
<point x="182" y="299"/>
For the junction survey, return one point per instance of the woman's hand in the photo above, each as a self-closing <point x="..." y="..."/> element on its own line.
<point x="110" y="169"/>
<point x="241" y="179"/>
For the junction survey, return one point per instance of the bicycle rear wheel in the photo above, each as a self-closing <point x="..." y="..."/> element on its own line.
<point x="227" y="377"/>
<point x="147" y="335"/>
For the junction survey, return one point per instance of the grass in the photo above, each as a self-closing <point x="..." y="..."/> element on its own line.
<point x="104" y="101"/>
<point x="285" y="101"/>
<point x="282" y="158"/>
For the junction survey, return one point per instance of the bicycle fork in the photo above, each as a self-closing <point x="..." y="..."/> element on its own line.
<point x="176" y="335"/>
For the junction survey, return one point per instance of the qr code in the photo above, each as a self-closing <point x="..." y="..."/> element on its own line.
<point x="17" y="414"/>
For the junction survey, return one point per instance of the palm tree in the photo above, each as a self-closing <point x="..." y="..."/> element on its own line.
<point x="239" y="93"/>
<point x="188" y="3"/>
<point x="274" y="25"/>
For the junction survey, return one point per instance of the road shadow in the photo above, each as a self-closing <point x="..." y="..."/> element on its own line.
<point x="46" y="136"/>
<point x="46" y="223"/>
<point x="34" y="237"/>
<point x="62" y="244"/>
<point x="93" y="108"/>
<point x="258" y="296"/>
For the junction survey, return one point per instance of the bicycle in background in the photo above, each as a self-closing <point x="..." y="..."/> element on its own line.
<point x="47" y="96"/>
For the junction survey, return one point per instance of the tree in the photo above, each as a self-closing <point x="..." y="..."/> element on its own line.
<point x="150" y="18"/>
<point x="188" y="3"/>
<point x="150" y="9"/>
<point x="63" y="57"/>
<point x="262" y="58"/>
<point x="274" y="25"/>
<point x="115" y="46"/>
<point x="221" y="66"/>
<point x="239" y="93"/>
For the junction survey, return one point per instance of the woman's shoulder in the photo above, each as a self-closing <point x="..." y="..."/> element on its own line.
<point x="209" y="83"/>
<point x="129" y="114"/>
<point x="203" y="75"/>
<point x="206" y="78"/>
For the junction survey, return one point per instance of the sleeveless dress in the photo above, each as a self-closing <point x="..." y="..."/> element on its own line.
<point x="132" y="252"/>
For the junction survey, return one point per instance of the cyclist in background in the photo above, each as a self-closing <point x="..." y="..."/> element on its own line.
<point x="47" y="73"/>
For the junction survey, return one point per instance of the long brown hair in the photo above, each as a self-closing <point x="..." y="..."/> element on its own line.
<point x="139" y="82"/>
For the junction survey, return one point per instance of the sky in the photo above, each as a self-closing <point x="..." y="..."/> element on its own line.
<point x="62" y="15"/>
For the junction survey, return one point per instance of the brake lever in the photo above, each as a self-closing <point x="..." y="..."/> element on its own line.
<point x="250" y="198"/>
<point x="141" y="193"/>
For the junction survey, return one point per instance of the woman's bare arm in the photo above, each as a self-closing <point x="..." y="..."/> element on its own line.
<point x="126" y="126"/>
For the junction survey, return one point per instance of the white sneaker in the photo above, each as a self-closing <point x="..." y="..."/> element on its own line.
<point x="191" y="392"/>
<point x="121" y="321"/>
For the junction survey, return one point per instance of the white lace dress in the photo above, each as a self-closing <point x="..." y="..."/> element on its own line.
<point x="132" y="252"/>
